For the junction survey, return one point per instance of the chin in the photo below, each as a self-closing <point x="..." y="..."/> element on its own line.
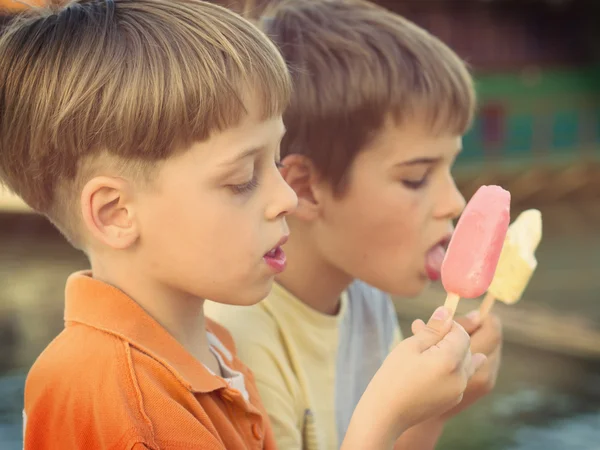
<point x="254" y="295"/>
<point x="409" y="288"/>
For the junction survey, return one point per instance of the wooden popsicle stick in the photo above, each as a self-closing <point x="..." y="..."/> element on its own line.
<point x="486" y="305"/>
<point x="452" y="303"/>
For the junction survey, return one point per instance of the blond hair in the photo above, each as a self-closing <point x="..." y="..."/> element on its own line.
<point x="354" y="65"/>
<point x="137" y="80"/>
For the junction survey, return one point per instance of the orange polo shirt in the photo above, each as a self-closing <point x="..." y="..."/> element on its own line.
<point x="115" y="379"/>
<point x="12" y="5"/>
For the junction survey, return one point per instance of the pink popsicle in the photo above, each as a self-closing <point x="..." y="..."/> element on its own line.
<point x="474" y="251"/>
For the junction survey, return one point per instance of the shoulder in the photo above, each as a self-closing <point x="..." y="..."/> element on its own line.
<point x="364" y="296"/>
<point x="81" y="387"/>
<point x="372" y="309"/>
<point x="78" y="356"/>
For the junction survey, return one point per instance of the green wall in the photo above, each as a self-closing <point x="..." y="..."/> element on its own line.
<point x="545" y="116"/>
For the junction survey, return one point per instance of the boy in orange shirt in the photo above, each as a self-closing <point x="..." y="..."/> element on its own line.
<point x="148" y="132"/>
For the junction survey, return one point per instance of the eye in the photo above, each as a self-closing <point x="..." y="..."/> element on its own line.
<point x="245" y="188"/>
<point x="415" y="184"/>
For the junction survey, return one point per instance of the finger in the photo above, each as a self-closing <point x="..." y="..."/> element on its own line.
<point x="476" y="363"/>
<point x="466" y="363"/>
<point x="494" y="360"/>
<point x="456" y="343"/>
<point x="417" y="326"/>
<point x="436" y="329"/>
<point x="471" y="322"/>
<point x="488" y="338"/>
<point x="440" y="320"/>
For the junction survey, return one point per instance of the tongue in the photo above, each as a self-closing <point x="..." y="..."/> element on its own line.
<point x="435" y="257"/>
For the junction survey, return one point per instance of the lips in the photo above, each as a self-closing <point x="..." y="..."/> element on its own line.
<point x="275" y="258"/>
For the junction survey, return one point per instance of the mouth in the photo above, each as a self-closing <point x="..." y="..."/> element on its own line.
<point x="275" y="258"/>
<point x="435" y="257"/>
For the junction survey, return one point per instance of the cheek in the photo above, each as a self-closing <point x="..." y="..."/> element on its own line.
<point x="405" y="222"/>
<point x="203" y="249"/>
<point x="235" y="232"/>
<point x="182" y="222"/>
<point x="223" y="230"/>
<point x="387" y="231"/>
<point x="391" y="217"/>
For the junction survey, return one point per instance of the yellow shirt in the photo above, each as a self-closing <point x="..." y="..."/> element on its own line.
<point x="311" y="369"/>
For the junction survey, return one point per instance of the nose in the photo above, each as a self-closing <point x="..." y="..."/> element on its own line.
<point x="282" y="198"/>
<point x="452" y="203"/>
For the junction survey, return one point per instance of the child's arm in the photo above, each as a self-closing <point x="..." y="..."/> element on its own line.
<point x="422" y="378"/>
<point x="423" y="436"/>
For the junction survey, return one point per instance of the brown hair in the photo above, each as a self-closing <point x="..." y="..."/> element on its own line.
<point x="250" y="9"/>
<point x="354" y="65"/>
<point x="136" y="80"/>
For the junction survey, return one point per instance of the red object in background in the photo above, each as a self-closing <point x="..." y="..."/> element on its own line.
<point x="493" y="125"/>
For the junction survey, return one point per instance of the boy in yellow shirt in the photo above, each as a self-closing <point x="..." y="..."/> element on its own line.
<point x="373" y="129"/>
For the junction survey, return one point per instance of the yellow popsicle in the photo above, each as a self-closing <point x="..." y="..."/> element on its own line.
<point x="517" y="261"/>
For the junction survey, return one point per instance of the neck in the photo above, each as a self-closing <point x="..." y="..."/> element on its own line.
<point x="180" y="314"/>
<point x="310" y="277"/>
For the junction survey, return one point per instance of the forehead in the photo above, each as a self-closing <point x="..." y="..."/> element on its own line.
<point x="256" y="128"/>
<point x="250" y="133"/>
<point x="412" y="139"/>
<point x="251" y="137"/>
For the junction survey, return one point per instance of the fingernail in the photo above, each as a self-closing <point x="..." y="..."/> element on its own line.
<point x="442" y="313"/>
<point x="474" y="316"/>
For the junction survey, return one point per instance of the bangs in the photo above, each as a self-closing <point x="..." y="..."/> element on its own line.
<point x="443" y="96"/>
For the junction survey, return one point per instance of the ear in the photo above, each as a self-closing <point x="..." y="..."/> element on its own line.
<point x="300" y="174"/>
<point x="108" y="212"/>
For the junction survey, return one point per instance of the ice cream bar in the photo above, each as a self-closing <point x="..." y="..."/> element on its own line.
<point x="517" y="260"/>
<point x="476" y="244"/>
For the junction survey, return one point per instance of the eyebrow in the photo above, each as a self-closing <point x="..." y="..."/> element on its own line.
<point x="423" y="161"/>
<point x="418" y="161"/>
<point x="245" y="154"/>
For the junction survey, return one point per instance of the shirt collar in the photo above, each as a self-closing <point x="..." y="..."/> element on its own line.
<point x="99" y="305"/>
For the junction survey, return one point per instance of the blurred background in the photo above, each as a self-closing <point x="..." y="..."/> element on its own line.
<point x="537" y="133"/>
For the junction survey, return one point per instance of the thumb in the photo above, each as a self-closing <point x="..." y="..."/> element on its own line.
<point x="438" y="326"/>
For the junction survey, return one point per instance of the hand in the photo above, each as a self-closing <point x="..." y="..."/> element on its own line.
<point x="486" y="338"/>
<point x="423" y="377"/>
